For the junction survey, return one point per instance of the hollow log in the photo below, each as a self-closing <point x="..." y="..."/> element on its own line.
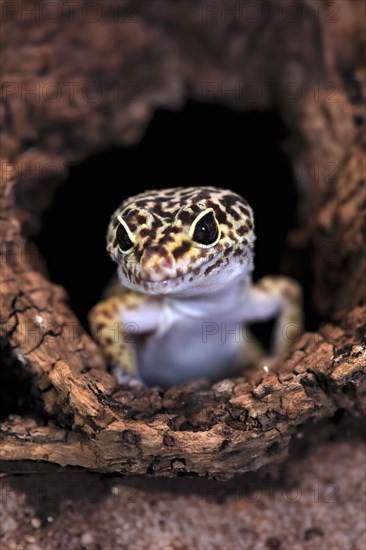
<point x="81" y="417"/>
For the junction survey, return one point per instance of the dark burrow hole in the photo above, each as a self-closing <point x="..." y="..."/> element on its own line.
<point x="18" y="394"/>
<point x="198" y="145"/>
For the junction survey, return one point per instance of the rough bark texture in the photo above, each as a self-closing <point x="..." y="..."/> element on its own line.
<point x="84" y="419"/>
<point x="315" y="500"/>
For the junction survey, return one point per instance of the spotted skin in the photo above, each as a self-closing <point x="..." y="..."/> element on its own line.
<point x="174" y="286"/>
<point x="106" y="327"/>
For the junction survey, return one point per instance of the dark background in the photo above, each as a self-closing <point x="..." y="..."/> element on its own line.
<point x="199" y="145"/>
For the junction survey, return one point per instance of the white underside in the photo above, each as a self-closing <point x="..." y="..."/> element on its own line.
<point x="198" y="329"/>
<point x="196" y="337"/>
<point x="187" y="350"/>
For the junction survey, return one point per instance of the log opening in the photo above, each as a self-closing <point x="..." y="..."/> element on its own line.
<point x="219" y="152"/>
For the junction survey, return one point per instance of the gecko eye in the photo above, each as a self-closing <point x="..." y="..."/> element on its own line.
<point x="206" y="230"/>
<point x="123" y="239"/>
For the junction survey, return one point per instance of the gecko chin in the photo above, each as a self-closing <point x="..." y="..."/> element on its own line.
<point x="156" y="288"/>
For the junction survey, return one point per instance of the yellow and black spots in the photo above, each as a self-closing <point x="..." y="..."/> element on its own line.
<point x="168" y="234"/>
<point x="285" y="295"/>
<point x="106" y="321"/>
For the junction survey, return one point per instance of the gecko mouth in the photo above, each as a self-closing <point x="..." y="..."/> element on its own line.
<point x="181" y="276"/>
<point x="198" y="273"/>
<point x="163" y="286"/>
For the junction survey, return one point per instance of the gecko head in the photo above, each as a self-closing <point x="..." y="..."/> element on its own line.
<point x="181" y="241"/>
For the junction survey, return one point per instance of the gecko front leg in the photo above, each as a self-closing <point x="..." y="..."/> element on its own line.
<point x="116" y="323"/>
<point x="279" y="297"/>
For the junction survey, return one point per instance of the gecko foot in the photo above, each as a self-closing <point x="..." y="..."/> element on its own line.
<point x="127" y="379"/>
<point x="268" y="363"/>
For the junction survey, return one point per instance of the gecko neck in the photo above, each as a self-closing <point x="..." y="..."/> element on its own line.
<point x="224" y="299"/>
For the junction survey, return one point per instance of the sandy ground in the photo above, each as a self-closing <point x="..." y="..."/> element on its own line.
<point x="316" y="500"/>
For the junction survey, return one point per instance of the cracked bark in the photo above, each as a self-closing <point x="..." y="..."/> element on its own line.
<point x="239" y="425"/>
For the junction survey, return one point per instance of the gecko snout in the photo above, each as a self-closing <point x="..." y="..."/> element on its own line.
<point x="157" y="263"/>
